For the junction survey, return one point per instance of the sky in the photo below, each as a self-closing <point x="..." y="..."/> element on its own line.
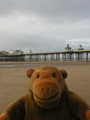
<point x="44" y="25"/>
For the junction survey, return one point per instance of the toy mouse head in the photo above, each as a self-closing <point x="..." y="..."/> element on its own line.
<point x="47" y="84"/>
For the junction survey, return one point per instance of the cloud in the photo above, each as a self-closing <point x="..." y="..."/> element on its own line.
<point x="44" y="24"/>
<point x="85" y="42"/>
<point x="61" y="9"/>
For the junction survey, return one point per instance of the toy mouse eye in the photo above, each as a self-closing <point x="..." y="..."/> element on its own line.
<point x="53" y="75"/>
<point x="38" y="76"/>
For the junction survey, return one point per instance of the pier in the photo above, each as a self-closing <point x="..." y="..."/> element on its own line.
<point x="76" y="55"/>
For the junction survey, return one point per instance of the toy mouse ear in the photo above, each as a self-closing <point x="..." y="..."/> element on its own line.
<point x="64" y="73"/>
<point x="30" y="72"/>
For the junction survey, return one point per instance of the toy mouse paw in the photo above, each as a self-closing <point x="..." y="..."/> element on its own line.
<point x="4" y="116"/>
<point x="88" y="115"/>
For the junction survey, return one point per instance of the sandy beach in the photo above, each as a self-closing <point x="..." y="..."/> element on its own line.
<point x="14" y="82"/>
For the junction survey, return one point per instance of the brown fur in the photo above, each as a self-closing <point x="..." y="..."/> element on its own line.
<point x="48" y="98"/>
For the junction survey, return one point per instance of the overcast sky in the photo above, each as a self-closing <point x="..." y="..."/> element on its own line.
<point x="44" y="25"/>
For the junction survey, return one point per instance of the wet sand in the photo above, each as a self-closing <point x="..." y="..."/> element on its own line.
<point x="14" y="82"/>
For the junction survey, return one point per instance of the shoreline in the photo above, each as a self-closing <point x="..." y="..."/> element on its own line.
<point x="39" y="63"/>
<point x="27" y="62"/>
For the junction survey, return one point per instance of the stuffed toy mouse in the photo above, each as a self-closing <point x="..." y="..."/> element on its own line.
<point x="48" y="98"/>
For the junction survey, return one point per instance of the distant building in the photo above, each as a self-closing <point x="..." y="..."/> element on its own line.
<point x="68" y="48"/>
<point x="15" y="52"/>
<point x="80" y="48"/>
<point x="3" y="53"/>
